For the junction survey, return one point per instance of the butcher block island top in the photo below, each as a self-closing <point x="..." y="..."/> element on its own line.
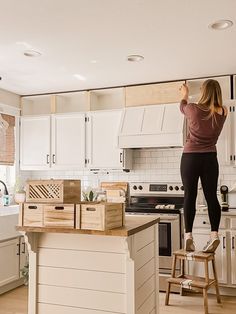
<point x="94" y="272"/>
<point x="133" y="225"/>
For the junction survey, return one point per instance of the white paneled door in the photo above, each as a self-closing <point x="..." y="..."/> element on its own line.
<point x="103" y="128"/>
<point x="35" y="143"/>
<point x="68" y="141"/>
<point x="9" y="261"/>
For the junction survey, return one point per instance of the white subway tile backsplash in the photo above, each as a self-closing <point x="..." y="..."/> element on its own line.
<point x="148" y="165"/>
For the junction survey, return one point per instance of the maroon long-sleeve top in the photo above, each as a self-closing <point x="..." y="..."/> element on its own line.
<point x="203" y="132"/>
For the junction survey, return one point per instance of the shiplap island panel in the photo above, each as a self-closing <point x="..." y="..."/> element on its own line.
<point x="102" y="273"/>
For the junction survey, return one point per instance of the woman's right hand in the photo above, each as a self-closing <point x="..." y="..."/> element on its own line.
<point x="184" y="91"/>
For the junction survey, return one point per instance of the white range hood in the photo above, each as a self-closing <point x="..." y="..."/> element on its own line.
<point x="152" y="126"/>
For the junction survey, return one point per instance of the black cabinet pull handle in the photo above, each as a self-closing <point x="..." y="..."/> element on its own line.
<point x="48" y="159"/>
<point x="233" y="246"/>
<point x="23" y="251"/>
<point x="18" y="249"/>
<point x="204" y="222"/>
<point x="223" y="242"/>
<point x="32" y="207"/>
<point x="91" y="209"/>
<point x="59" y="207"/>
<point x="121" y="159"/>
<point x="54" y="158"/>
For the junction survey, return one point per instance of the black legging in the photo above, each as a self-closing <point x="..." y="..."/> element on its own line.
<point x="204" y="166"/>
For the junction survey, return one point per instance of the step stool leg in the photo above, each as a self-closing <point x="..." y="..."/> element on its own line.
<point x="205" y="300"/>
<point x="167" y="293"/>
<point x="216" y="281"/>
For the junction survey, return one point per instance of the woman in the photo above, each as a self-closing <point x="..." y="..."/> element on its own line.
<point x="199" y="159"/>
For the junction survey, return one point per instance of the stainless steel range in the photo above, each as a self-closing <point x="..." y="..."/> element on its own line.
<point x="166" y="201"/>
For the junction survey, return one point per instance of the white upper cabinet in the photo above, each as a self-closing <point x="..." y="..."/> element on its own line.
<point x="152" y="126"/>
<point x="68" y="141"/>
<point x="103" y="150"/>
<point x="35" y="143"/>
<point x="56" y="142"/>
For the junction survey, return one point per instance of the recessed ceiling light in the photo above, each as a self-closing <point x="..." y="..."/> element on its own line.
<point x="135" y="58"/>
<point x="93" y="61"/>
<point x="221" y="24"/>
<point x="32" y="53"/>
<point x="80" y="77"/>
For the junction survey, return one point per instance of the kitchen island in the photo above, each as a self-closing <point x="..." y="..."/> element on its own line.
<point x="94" y="272"/>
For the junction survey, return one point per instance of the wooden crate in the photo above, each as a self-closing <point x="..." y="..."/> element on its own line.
<point x="59" y="216"/>
<point x="101" y="216"/>
<point x="53" y="191"/>
<point x="32" y="215"/>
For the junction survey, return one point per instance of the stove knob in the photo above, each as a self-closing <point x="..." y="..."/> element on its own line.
<point x="176" y="188"/>
<point x="171" y="188"/>
<point x="140" y="187"/>
<point x="182" y="188"/>
<point x="135" y="187"/>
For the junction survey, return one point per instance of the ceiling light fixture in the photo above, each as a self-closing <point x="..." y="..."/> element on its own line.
<point x="93" y="61"/>
<point x="135" y="58"/>
<point x="221" y="25"/>
<point x="80" y="77"/>
<point x="32" y="53"/>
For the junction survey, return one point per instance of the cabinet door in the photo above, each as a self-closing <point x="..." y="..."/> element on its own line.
<point x="103" y="140"/>
<point x="23" y="254"/>
<point x="224" y="144"/>
<point x="233" y="131"/>
<point x="233" y="256"/>
<point x="197" y="269"/>
<point x="68" y="141"/>
<point x="35" y="143"/>
<point x="9" y="261"/>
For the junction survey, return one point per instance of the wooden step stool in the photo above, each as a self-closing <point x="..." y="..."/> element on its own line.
<point x="189" y="282"/>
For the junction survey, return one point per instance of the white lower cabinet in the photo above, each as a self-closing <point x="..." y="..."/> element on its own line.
<point x="23" y="254"/>
<point x="201" y="237"/>
<point x="233" y="257"/>
<point x="9" y="261"/>
<point x="225" y="254"/>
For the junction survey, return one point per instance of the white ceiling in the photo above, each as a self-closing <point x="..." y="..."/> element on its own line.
<point x="172" y="35"/>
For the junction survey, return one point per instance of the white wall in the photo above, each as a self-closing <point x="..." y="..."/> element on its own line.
<point x="149" y="165"/>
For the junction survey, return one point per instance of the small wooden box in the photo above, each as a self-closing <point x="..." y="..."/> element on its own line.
<point x="59" y="216"/>
<point x="32" y="215"/>
<point x="101" y="216"/>
<point x="53" y="191"/>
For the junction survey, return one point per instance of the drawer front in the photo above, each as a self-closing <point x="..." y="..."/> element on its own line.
<point x="92" y="217"/>
<point x="59" y="216"/>
<point x="202" y="221"/>
<point x="33" y="215"/>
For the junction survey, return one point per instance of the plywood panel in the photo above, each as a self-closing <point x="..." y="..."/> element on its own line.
<point x="89" y="299"/>
<point x="152" y="94"/>
<point x="87" y="260"/>
<point x="75" y="278"/>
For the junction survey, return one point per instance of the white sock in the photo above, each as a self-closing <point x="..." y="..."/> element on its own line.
<point x="214" y="235"/>
<point x="188" y="235"/>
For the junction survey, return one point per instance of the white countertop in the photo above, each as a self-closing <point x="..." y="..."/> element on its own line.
<point x="203" y="211"/>
<point x="9" y="210"/>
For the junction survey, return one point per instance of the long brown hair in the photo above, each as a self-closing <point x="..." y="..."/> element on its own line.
<point x="211" y="97"/>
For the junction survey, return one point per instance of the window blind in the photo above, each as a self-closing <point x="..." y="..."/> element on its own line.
<point x="7" y="139"/>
